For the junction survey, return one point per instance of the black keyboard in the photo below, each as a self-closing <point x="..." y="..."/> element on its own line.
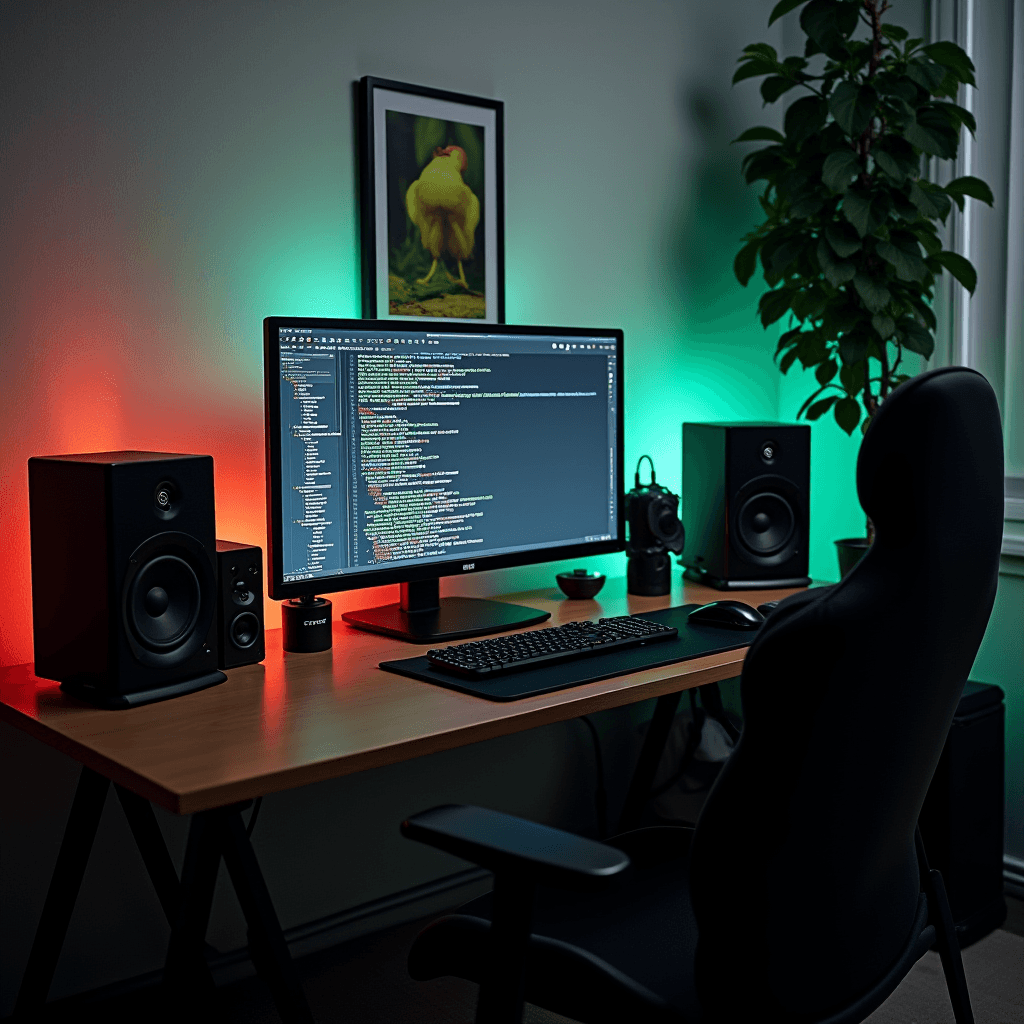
<point x="537" y="647"/>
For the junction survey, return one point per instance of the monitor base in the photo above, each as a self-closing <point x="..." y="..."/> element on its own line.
<point x="454" y="619"/>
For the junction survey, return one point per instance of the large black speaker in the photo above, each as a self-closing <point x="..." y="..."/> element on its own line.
<point x="239" y="604"/>
<point x="124" y="584"/>
<point x="745" y="503"/>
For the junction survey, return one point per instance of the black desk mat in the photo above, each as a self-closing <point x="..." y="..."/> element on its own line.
<point x="692" y="642"/>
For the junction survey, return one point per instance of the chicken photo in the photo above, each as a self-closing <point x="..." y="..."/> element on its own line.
<point x="445" y="210"/>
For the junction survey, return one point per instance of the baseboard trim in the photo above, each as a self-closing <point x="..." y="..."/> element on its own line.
<point x="1013" y="876"/>
<point x="375" y="915"/>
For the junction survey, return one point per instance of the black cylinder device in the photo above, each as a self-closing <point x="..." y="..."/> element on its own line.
<point x="306" y="625"/>
<point x="652" y="512"/>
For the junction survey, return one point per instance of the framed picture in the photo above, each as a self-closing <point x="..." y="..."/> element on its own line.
<point x="432" y="197"/>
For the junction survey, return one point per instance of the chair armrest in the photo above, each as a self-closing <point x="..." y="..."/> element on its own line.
<point x="503" y="843"/>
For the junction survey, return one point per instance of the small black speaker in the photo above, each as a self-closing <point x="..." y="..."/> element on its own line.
<point x="239" y="604"/>
<point x="124" y="585"/>
<point x="746" y="506"/>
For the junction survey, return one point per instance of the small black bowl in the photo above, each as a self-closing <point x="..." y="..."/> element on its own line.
<point x="580" y="584"/>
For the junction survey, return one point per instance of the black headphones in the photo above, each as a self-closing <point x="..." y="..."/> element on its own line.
<point x="652" y="512"/>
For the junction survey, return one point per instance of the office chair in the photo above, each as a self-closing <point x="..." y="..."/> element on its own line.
<point x="803" y="894"/>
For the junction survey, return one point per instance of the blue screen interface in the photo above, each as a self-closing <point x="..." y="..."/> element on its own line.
<point x="408" y="447"/>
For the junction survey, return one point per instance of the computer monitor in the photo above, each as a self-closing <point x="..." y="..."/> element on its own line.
<point x="400" y="453"/>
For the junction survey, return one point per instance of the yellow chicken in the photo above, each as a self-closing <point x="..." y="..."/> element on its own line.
<point x="445" y="210"/>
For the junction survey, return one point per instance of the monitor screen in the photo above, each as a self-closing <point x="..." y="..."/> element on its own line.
<point x="397" y="452"/>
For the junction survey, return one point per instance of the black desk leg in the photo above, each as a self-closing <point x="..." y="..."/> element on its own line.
<point x="647" y="763"/>
<point x="267" y="945"/>
<point x="75" y="848"/>
<point x="186" y="973"/>
<point x="150" y="842"/>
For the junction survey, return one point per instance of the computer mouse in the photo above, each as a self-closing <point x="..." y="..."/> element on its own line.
<point x="726" y="615"/>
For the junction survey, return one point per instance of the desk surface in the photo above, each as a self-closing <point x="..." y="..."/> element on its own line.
<point x="301" y="718"/>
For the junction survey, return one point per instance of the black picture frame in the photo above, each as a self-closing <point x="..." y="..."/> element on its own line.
<point x="388" y="149"/>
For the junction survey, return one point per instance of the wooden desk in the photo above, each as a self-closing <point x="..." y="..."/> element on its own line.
<point x="293" y="720"/>
<point x="301" y="718"/>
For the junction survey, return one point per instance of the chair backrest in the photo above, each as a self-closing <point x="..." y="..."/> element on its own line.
<point x="803" y="874"/>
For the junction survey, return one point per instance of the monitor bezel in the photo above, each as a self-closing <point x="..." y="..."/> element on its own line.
<point x="280" y="591"/>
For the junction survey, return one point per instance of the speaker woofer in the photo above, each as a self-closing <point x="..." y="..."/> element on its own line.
<point x="245" y="630"/>
<point x="164" y="605"/>
<point x="169" y="599"/>
<point x="767" y="521"/>
<point x="765" y="524"/>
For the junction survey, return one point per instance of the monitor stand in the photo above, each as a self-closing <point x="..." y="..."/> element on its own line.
<point x="423" y="618"/>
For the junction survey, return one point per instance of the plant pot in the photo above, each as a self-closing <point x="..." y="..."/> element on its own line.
<point x="850" y="551"/>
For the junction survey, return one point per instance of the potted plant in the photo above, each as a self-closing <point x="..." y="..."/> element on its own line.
<point x="850" y="245"/>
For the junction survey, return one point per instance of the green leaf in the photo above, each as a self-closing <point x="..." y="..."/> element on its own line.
<point x="908" y="264"/>
<point x="837" y="272"/>
<point x="809" y="301"/>
<point x="959" y="267"/>
<point x="970" y="186"/>
<point x="812" y="348"/>
<point x="789" y="338"/>
<point x="853" y="348"/>
<point x="916" y="338"/>
<point x="746" y="261"/>
<point x="927" y="75"/>
<point x="895" y="33"/>
<point x="852" y="106"/>
<point x="804" y="117"/>
<point x="958" y="116"/>
<point x="773" y="304"/>
<point x="818" y="409"/>
<point x="884" y="325"/>
<point x="824" y="21"/>
<point x="783" y="7"/>
<point x="761" y="50"/>
<point x="896" y="85"/>
<point x="851" y="376"/>
<point x="930" y="131"/>
<point x="807" y="204"/>
<point x="873" y="292"/>
<point x="923" y="311"/>
<point x="951" y="56"/>
<point x="847" y="413"/>
<point x="840" y="168"/>
<point x="889" y="165"/>
<point x="760" y="134"/>
<point x="931" y="201"/>
<point x="788" y="359"/>
<point x="772" y="88"/>
<point x="865" y="211"/>
<point x="826" y="371"/>
<point x="783" y="256"/>
<point x="753" y="67"/>
<point x="763" y="163"/>
<point x="843" y="238"/>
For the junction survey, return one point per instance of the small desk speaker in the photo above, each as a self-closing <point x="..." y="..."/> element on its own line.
<point x="124" y="586"/>
<point x="745" y="504"/>
<point x="239" y="604"/>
